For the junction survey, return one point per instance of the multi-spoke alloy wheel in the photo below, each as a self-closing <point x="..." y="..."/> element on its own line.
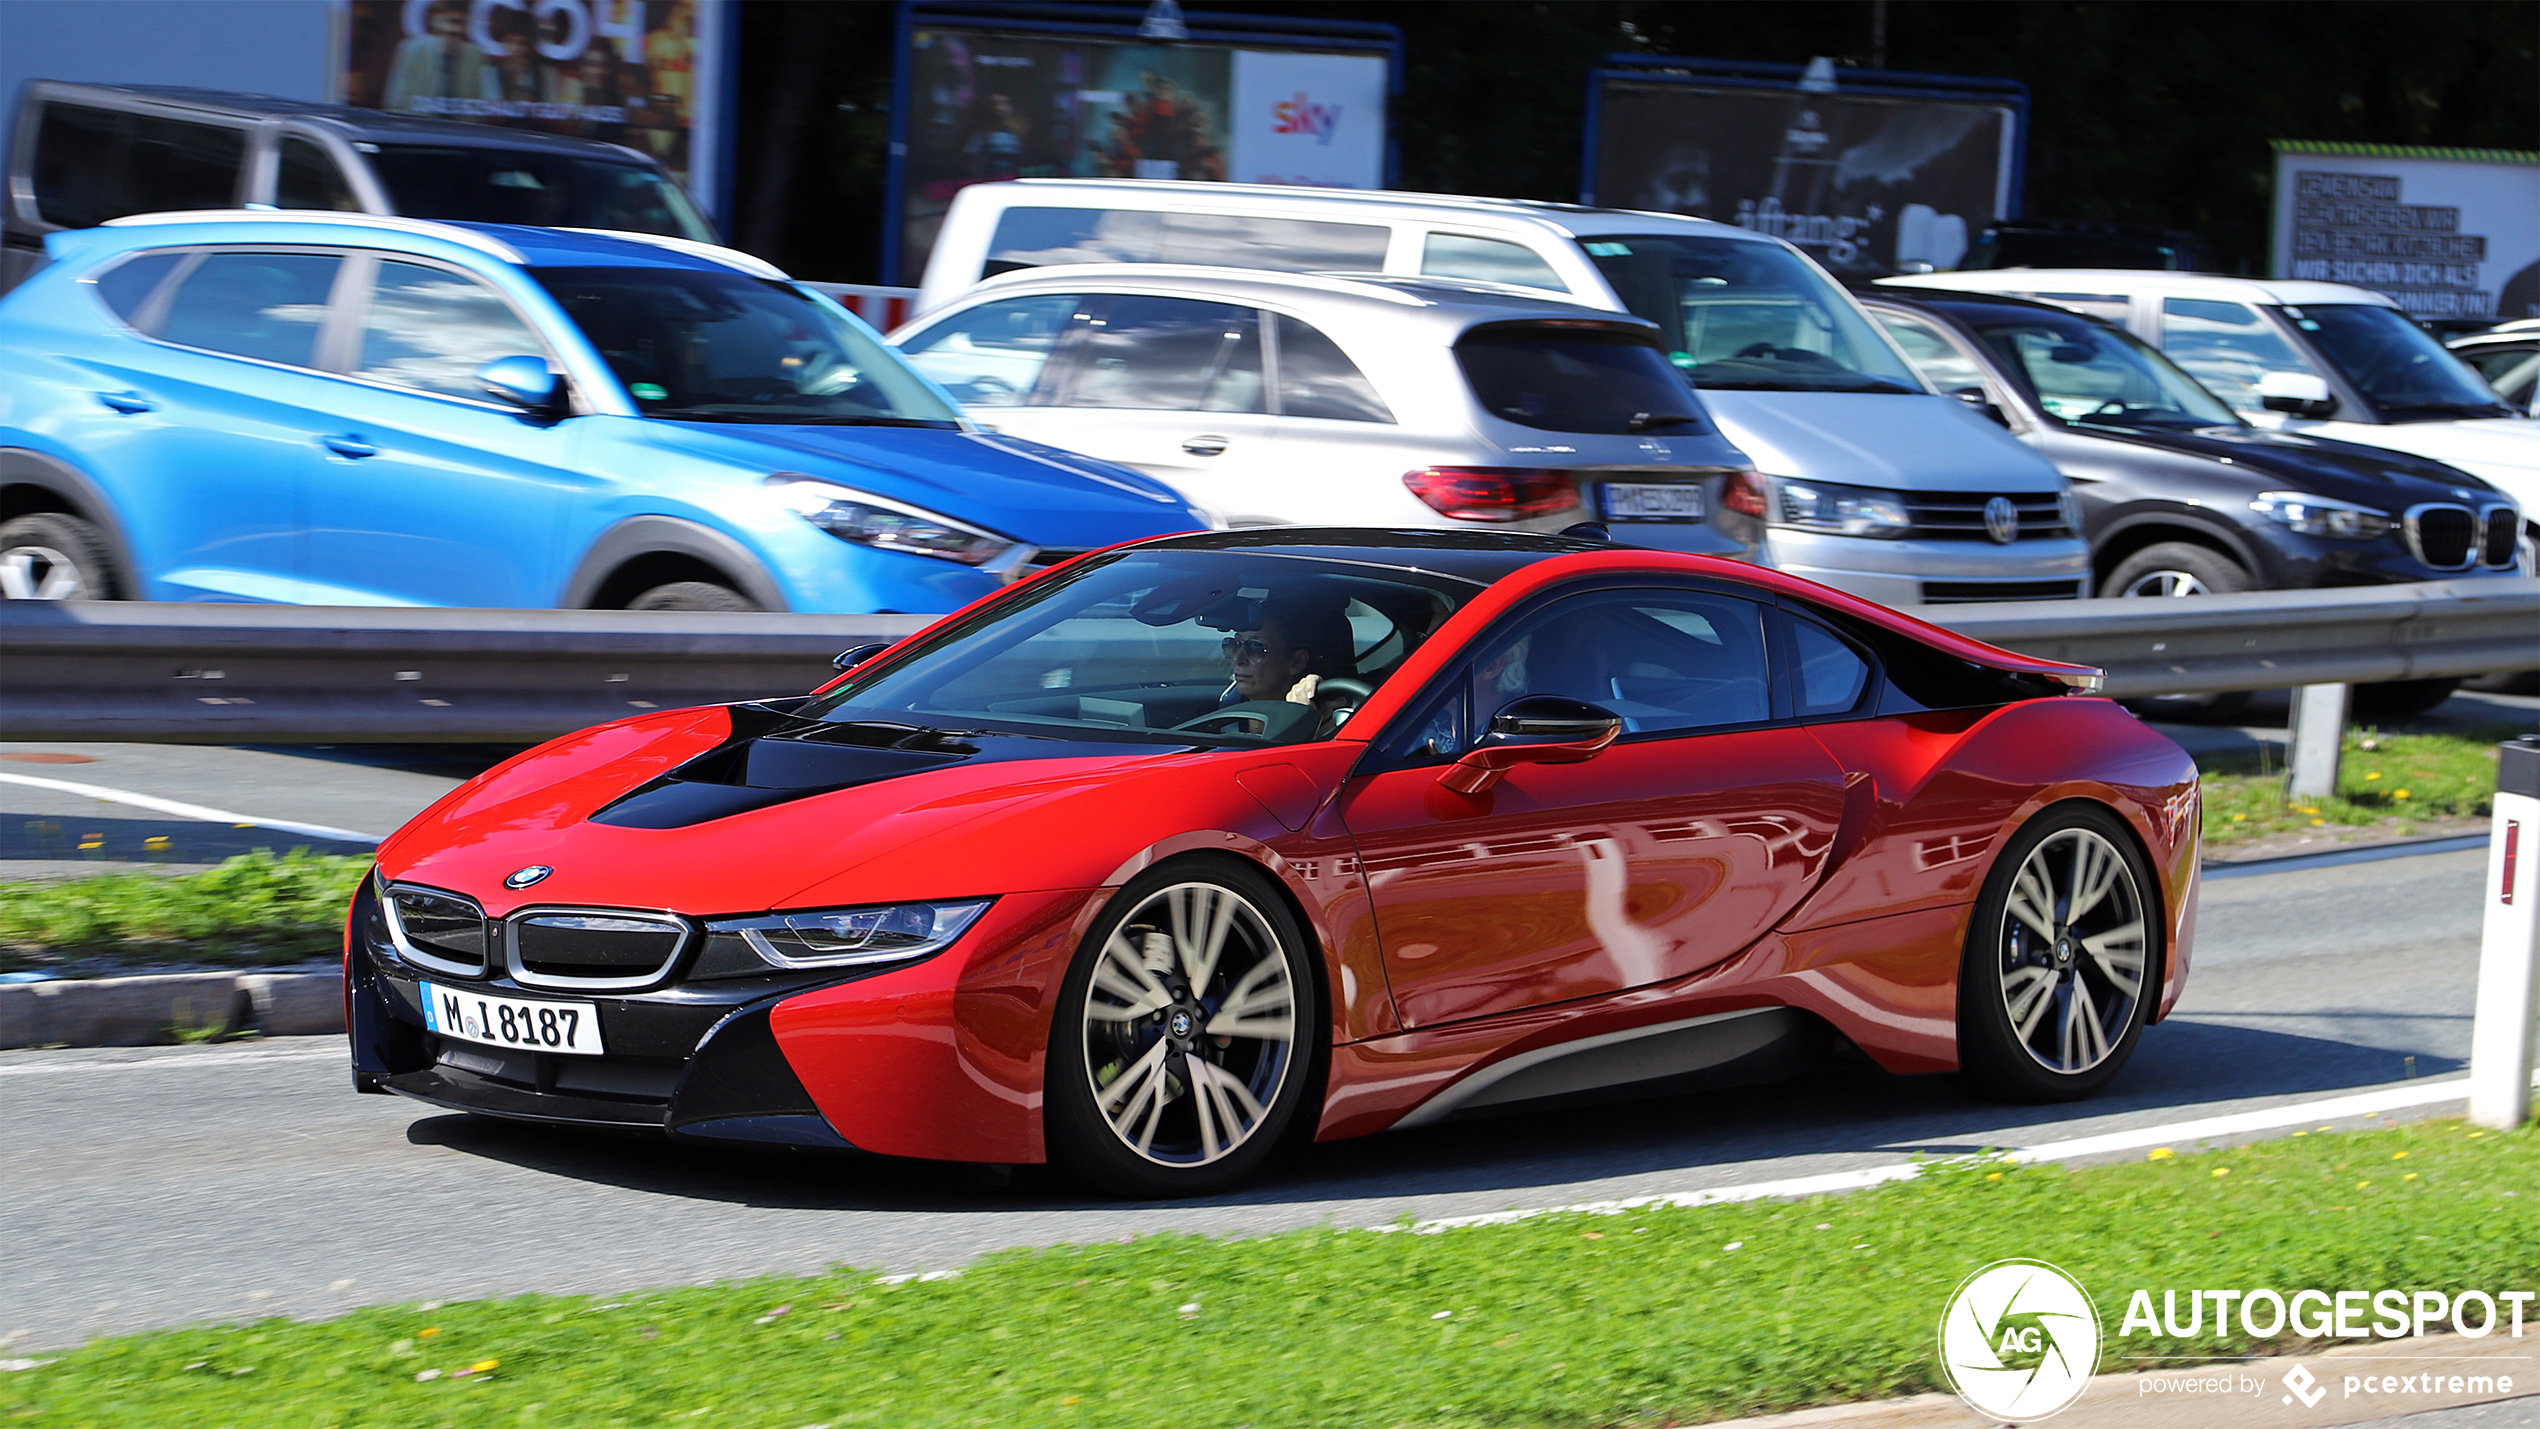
<point x="1185" y="1029"/>
<point x="2060" y="959"/>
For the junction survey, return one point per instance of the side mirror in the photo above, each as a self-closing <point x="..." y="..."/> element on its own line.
<point x="1537" y="729"/>
<point x="1974" y="397"/>
<point x="523" y="381"/>
<point x="2299" y="394"/>
<point x="849" y="658"/>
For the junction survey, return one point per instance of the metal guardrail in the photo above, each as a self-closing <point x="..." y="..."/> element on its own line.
<point x="246" y="674"/>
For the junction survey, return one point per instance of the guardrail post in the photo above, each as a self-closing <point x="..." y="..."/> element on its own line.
<point x="2500" y="1049"/>
<point x="2318" y="734"/>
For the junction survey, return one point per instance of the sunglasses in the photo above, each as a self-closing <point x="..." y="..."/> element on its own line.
<point x="1248" y="648"/>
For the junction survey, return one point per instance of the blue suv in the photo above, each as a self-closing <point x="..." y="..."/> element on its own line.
<point x="341" y="409"/>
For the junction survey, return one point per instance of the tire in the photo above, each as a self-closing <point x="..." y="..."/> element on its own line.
<point x="2044" y="1016"/>
<point x="2175" y="570"/>
<point x="1125" y="1112"/>
<point x="692" y="595"/>
<point x="2400" y="699"/>
<point x="50" y="556"/>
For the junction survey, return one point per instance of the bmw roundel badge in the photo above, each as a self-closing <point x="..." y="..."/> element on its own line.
<point x="522" y="878"/>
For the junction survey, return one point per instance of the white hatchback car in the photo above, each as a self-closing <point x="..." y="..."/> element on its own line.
<point x="1293" y="398"/>
<point x="2322" y="359"/>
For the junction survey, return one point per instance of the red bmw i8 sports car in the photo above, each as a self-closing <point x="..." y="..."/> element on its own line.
<point x="1192" y="846"/>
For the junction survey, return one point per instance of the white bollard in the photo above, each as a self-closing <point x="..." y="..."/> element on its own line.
<point x="2500" y="1047"/>
<point x="2318" y="733"/>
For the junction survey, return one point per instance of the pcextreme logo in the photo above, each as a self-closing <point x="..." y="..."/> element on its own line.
<point x="2019" y="1340"/>
<point x="1302" y="115"/>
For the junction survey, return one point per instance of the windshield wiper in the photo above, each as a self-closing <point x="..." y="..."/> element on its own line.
<point x="1643" y="421"/>
<point x="800" y="419"/>
<point x="2453" y="409"/>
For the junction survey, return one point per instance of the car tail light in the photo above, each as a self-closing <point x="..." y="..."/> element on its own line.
<point x="1492" y="493"/>
<point x="1744" y="493"/>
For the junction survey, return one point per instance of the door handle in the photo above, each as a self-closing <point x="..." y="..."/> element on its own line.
<point x="353" y="447"/>
<point x="1204" y="446"/>
<point x="126" y="402"/>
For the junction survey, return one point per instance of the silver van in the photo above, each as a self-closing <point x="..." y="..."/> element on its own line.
<point x="80" y="154"/>
<point x="1866" y="479"/>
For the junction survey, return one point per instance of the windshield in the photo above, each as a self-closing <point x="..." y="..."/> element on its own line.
<point x="2398" y="366"/>
<point x="1564" y="380"/>
<point x="2096" y="375"/>
<point x="1755" y="316"/>
<point x="468" y="184"/>
<point x="1175" y="647"/>
<point x="720" y="346"/>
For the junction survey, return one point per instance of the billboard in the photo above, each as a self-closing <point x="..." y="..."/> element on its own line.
<point x="1868" y="171"/>
<point x="2446" y="233"/>
<point x="981" y="102"/>
<point x="641" y="73"/>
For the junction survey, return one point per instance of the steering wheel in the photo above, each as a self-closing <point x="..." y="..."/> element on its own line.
<point x="984" y="388"/>
<point x="1353" y="692"/>
<point x="1757" y="349"/>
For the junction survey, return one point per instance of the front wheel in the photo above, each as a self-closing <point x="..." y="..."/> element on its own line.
<point x="692" y="595"/>
<point x="2173" y="570"/>
<point x="51" y="556"/>
<point x="2063" y="958"/>
<point x="1183" y="1040"/>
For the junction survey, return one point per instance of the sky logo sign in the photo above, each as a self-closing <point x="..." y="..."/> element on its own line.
<point x="1301" y="115"/>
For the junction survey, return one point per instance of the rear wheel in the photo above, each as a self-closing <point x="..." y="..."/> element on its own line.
<point x="2172" y="570"/>
<point x="692" y="595"/>
<point x="2398" y="699"/>
<point x="1184" y="1034"/>
<point x="51" y="556"/>
<point x="2062" y="960"/>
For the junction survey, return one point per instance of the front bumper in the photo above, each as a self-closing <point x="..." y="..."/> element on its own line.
<point x="695" y="1061"/>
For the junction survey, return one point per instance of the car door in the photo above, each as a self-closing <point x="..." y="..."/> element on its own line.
<point x="1679" y="845"/>
<point x="211" y="428"/>
<point x="427" y="491"/>
<point x="1171" y="386"/>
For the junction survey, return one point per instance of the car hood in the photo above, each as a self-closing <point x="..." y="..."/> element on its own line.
<point x="2298" y="462"/>
<point x="729" y="809"/>
<point x="2503" y="450"/>
<point x="1904" y="442"/>
<point x="1023" y="489"/>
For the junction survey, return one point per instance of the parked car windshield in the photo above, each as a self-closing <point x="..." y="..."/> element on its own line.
<point x="1176" y="647"/>
<point x="468" y="184"/>
<point x="2398" y="366"/>
<point x="1741" y="314"/>
<point x="2096" y="375"/>
<point x="720" y="346"/>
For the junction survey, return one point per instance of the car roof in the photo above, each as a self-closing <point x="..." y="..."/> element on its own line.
<point x="516" y="244"/>
<point x="1574" y="220"/>
<point x="2089" y="281"/>
<point x="1447" y="302"/>
<point x="378" y="126"/>
<point x="1952" y="300"/>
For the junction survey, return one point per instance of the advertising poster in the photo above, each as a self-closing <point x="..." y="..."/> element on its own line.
<point x="1866" y="184"/>
<point x="985" y="106"/>
<point x="2446" y="233"/>
<point x="630" y="72"/>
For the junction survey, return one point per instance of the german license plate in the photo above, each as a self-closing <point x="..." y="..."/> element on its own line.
<point x="531" y="1025"/>
<point x="1653" y="503"/>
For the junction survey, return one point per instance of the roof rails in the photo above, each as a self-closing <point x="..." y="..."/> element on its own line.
<point x="756" y="267"/>
<point x="420" y="227"/>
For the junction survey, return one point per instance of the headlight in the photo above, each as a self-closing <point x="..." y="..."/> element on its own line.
<point x="1841" y="510"/>
<point x="848" y="937"/>
<point x="869" y="520"/>
<point x="2070" y="506"/>
<point x="2322" y="516"/>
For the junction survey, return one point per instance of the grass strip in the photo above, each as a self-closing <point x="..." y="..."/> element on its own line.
<point x="253" y="910"/>
<point x="2384" y="781"/>
<point x="1666" y="1316"/>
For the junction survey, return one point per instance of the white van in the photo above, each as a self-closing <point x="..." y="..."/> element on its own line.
<point x="1873" y="483"/>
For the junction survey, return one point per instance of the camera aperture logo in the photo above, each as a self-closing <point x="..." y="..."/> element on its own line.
<point x="2019" y="1340"/>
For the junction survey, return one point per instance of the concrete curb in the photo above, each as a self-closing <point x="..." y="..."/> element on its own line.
<point x="147" y="1010"/>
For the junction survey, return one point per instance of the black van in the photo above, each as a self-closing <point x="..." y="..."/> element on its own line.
<point x="80" y="154"/>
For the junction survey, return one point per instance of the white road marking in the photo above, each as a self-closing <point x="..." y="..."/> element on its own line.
<point x="187" y="811"/>
<point x="2399" y="1098"/>
<point x="257" y="1058"/>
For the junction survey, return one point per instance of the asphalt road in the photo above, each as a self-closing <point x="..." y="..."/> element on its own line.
<point x="157" y="1186"/>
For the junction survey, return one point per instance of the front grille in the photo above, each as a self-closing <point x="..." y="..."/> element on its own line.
<point x="1959" y="515"/>
<point x="437" y="931"/>
<point x="2502" y="534"/>
<point x="593" y="949"/>
<point x="1972" y="592"/>
<point x="2442" y="535"/>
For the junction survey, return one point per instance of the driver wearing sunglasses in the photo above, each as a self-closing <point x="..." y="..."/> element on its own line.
<point x="1300" y="642"/>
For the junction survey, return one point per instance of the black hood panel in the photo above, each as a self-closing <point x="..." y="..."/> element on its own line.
<point x="2289" y="461"/>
